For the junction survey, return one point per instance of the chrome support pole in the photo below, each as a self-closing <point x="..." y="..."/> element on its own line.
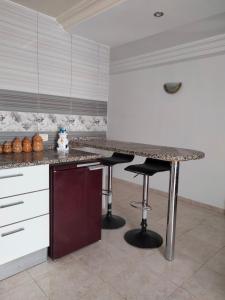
<point x="172" y="211"/>
<point x="145" y="196"/>
<point x="145" y="203"/>
<point x="109" y="191"/>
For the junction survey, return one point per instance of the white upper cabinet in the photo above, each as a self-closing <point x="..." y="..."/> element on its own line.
<point x="33" y="44"/>
<point x="18" y="48"/>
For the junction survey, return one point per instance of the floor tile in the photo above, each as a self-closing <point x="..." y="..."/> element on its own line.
<point x="177" y="271"/>
<point x="102" y="291"/>
<point x="206" y="284"/>
<point x="26" y="291"/>
<point x="137" y="283"/>
<point x="217" y="262"/>
<point x="181" y="294"/>
<point x="14" y="281"/>
<point x="199" y="250"/>
<point x="70" y="282"/>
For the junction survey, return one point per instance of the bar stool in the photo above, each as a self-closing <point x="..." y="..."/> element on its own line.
<point x="144" y="238"/>
<point x="110" y="221"/>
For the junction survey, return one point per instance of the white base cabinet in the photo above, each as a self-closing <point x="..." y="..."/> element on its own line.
<point x="23" y="238"/>
<point x="24" y="211"/>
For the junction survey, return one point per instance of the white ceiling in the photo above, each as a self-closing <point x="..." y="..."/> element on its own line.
<point x="52" y="8"/>
<point x="133" y="19"/>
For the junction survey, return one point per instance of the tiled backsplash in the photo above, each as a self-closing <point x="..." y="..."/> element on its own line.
<point x="24" y="121"/>
<point x="48" y="114"/>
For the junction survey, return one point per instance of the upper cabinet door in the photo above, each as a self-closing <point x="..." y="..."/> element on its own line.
<point x="18" y="48"/>
<point x="35" y="56"/>
<point x="54" y="48"/>
<point x="90" y="69"/>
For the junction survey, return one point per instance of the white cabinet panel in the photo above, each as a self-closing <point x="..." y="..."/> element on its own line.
<point x="22" y="207"/>
<point x="18" y="48"/>
<point x="18" y="57"/>
<point x="54" y="57"/>
<point x="23" y="180"/>
<point x="23" y="238"/>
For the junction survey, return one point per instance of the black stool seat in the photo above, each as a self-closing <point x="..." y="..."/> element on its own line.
<point x="144" y="238"/>
<point x="149" y="167"/>
<point x="117" y="158"/>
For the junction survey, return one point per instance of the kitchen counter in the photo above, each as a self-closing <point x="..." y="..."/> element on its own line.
<point x="152" y="151"/>
<point x="14" y="160"/>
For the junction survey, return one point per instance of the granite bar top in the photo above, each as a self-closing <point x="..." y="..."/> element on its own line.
<point x="14" y="160"/>
<point x="153" y="151"/>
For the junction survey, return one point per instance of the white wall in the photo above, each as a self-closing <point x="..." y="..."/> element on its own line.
<point x="23" y="31"/>
<point x="140" y="111"/>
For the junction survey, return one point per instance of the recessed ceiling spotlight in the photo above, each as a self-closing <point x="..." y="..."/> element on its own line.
<point x="158" y="14"/>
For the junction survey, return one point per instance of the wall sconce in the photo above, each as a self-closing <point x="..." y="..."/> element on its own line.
<point x="172" y="87"/>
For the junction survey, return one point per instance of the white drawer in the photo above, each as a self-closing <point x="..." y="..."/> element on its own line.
<point x="22" y="207"/>
<point x="23" y="180"/>
<point x="23" y="238"/>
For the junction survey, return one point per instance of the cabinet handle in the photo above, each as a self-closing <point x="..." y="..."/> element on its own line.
<point x="11" y="176"/>
<point x="11" y="204"/>
<point x="12" y="232"/>
<point x="88" y="164"/>
<point x="99" y="167"/>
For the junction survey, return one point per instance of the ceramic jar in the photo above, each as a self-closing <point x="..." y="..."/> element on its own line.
<point x="27" y="147"/>
<point x="38" y="143"/>
<point x="7" y="147"/>
<point x="17" y="146"/>
<point x="1" y="149"/>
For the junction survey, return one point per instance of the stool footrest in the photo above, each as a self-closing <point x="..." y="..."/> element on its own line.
<point x="106" y="193"/>
<point x="138" y="204"/>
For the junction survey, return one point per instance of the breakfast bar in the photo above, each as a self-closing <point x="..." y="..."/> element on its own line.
<point x="172" y="154"/>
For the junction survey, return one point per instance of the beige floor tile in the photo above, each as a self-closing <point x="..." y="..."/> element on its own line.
<point x="108" y="260"/>
<point x="70" y="282"/>
<point x="177" y="271"/>
<point x="28" y="291"/>
<point x="138" y="283"/>
<point x="14" y="281"/>
<point x="217" y="263"/>
<point x="216" y="221"/>
<point x="199" y="250"/>
<point x="206" y="284"/>
<point x="181" y="294"/>
<point x="102" y="291"/>
<point x="209" y="234"/>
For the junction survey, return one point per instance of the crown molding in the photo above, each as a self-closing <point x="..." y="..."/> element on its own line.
<point x="211" y="46"/>
<point x="83" y="10"/>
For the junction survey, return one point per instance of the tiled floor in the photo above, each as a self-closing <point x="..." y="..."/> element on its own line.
<point x="112" y="270"/>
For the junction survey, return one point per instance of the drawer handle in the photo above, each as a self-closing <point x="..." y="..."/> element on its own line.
<point x="12" y="204"/>
<point x="11" y="176"/>
<point x="98" y="167"/>
<point x="12" y="232"/>
<point x="88" y="164"/>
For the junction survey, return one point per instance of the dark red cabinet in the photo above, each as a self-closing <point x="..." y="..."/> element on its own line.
<point x="75" y="208"/>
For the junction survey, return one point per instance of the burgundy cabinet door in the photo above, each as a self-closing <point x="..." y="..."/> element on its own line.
<point x="75" y="209"/>
<point x="94" y="204"/>
<point x="67" y="213"/>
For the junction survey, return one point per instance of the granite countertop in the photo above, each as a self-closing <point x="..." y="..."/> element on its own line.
<point x="14" y="160"/>
<point x="146" y="150"/>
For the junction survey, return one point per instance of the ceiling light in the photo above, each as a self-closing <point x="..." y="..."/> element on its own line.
<point x="158" y="14"/>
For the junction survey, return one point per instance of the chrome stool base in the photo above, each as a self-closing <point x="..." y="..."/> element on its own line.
<point x="143" y="238"/>
<point x="112" y="222"/>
